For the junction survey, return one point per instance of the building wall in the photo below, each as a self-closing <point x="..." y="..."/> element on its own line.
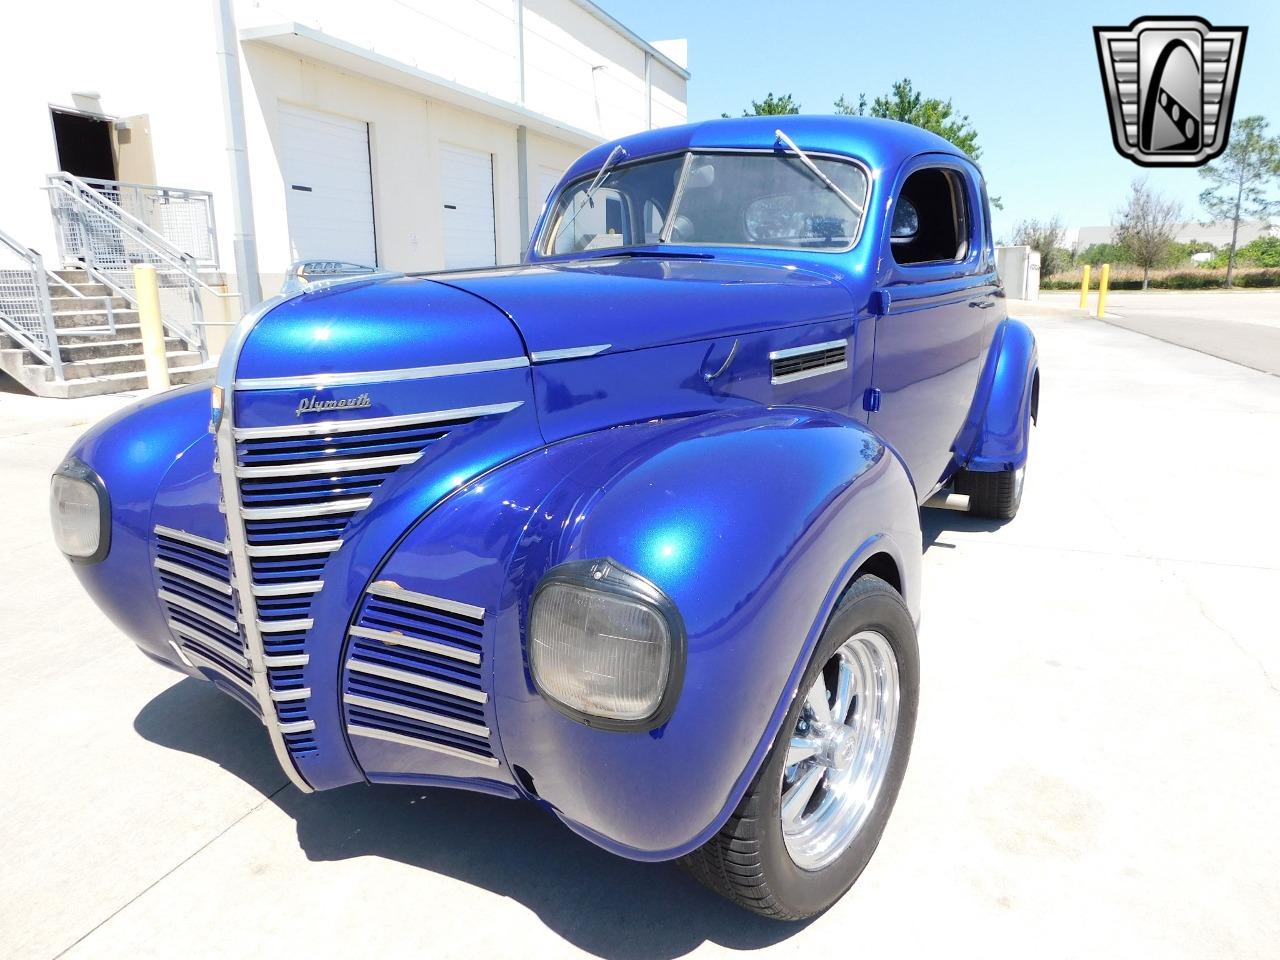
<point x="1218" y="234"/>
<point x="158" y="59"/>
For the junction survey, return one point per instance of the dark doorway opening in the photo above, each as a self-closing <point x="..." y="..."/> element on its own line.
<point x="84" y="145"/>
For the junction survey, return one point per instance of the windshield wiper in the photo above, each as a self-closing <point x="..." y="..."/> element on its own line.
<point x="614" y="154"/>
<point x="813" y="168"/>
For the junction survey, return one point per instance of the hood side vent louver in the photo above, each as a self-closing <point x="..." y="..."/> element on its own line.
<point x="799" y="363"/>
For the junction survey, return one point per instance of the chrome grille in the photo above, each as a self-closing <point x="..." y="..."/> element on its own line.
<point x="299" y="487"/>
<point x="201" y="609"/>
<point x="413" y="673"/>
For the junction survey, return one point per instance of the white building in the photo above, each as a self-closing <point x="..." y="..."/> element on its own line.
<point x="410" y="134"/>
<point x="1217" y="233"/>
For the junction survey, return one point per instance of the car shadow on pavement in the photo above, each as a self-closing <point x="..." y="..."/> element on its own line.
<point x="612" y="907"/>
<point x="934" y="523"/>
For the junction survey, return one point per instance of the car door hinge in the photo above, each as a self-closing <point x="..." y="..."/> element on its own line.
<point x="880" y="303"/>
<point x="871" y="400"/>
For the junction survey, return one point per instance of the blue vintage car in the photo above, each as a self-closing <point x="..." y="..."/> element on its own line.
<point x="630" y="530"/>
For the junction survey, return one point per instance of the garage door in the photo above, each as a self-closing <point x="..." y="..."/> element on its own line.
<point x="328" y="189"/>
<point x="466" y="187"/>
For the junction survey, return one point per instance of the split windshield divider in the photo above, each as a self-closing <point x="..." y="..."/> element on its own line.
<point x="665" y="236"/>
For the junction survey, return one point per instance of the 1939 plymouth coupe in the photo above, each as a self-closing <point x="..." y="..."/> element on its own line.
<point x="630" y="529"/>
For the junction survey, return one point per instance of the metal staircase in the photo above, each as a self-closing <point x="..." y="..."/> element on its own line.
<point x="75" y="332"/>
<point x="97" y="342"/>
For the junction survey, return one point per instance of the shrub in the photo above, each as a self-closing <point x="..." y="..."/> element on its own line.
<point x="1258" y="278"/>
<point x="1199" y="279"/>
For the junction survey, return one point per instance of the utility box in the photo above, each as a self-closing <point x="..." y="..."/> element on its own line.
<point x="1019" y="269"/>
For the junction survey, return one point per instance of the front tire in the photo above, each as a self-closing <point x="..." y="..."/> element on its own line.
<point x="814" y="814"/>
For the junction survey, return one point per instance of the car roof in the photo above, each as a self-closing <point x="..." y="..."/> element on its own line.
<point x="882" y="144"/>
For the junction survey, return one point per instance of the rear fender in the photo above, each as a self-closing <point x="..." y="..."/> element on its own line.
<point x="1005" y="402"/>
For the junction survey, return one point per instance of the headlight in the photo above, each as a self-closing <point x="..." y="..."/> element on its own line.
<point x="80" y="511"/>
<point x="606" y="646"/>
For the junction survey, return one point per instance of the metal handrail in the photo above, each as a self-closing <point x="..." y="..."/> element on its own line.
<point x="99" y="189"/>
<point x="138" y="231"/>
<point x="39" y="280"/>
<point x="148" y="245"/>
<point x="48" y="349"/>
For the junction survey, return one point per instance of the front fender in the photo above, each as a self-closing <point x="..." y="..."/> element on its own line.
<point x="752" y="524"/>
<point x="132" y="451"/>
<point x="1008" y="394"/>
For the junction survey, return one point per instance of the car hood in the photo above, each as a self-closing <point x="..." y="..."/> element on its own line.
<point x="397" y="324"/>
<point x="629" y="303"/>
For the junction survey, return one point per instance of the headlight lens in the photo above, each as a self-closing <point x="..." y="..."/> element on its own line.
<point x="78" y="508"/>
<point x="605" y="645"/>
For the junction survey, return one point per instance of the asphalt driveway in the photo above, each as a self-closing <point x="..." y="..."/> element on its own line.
<point x="1096" y="769"/>
<point x="1238" y="325"/>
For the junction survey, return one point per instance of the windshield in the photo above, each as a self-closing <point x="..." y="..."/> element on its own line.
<point x="763" y="200"/>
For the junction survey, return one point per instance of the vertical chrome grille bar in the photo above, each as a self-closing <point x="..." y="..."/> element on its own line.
<point x="238" y="540"/>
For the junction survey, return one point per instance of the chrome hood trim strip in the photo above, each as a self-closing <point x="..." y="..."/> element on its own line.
<point x="321" y="380"/>
<point x="568" y="353"/>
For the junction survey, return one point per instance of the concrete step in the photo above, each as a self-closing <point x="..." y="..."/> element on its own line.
<point x="63" y="302"/>
<point x="35" y="378"/>
<point x="86" y="286"/>
<point x="129" y="363"/>
<point x="121" y="382"/>
<point x="91" y="348"/>
<point x="91" y="318"/>
<point x="70" y="336"/>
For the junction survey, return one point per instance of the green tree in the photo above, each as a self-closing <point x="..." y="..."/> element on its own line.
<point x="1044" y="237"/>
<point x="1145" y="227"/>
<point x="1241" y="178"/>
<point x="1097" y="254"/>
<point x="771" y="106"/>
<point x="1262" y="252"/>
<point x="903" y="102"/>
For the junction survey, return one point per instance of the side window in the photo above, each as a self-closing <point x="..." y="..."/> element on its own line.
<point x="931" y="218"/>
<point x="653" y="220"/>
<point x="592" y="224"/>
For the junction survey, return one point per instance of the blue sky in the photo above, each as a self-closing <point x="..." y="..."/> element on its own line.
<point x="1025" y="73"/>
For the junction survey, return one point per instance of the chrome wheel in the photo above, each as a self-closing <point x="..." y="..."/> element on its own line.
<point x="1019" y="476"/>
<point x="839" y="752"/>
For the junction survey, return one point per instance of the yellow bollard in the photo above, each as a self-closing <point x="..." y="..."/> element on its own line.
<point x="152" y="329"/>
<point x="1084" y="288"/>
<point x="1103" y="282"/>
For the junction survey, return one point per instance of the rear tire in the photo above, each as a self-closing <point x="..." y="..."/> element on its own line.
<point x="790" y="862"/>
<point x="995" y="495"/>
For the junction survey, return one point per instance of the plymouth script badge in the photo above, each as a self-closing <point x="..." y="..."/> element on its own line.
<point x="316" y="405"/>
<point x="1171" y="85"/>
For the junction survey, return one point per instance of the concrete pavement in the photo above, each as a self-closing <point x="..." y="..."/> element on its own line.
<point x="1238" y="325"/>
<point x="1096" y="769"/>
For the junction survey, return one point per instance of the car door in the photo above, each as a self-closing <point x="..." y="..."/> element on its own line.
<point x="937" y="285"/>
